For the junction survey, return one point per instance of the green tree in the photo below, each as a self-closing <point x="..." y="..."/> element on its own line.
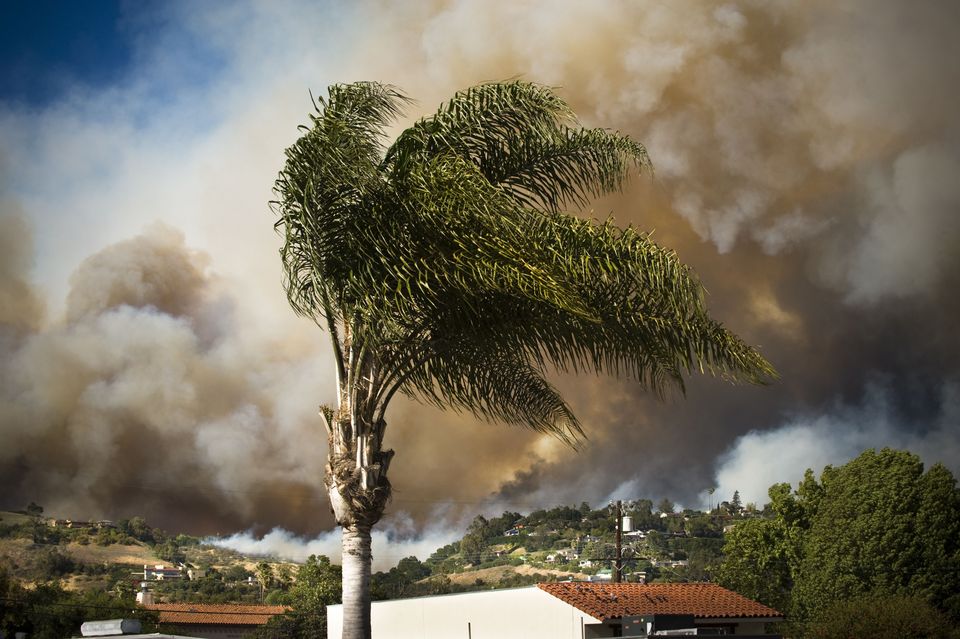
<point x="443" y="267"/>
<point x="642" y="514"/>
<point x="236" y="572"/>
<point x="882" y="526"/>
<point x="264" y="572"/>
<point x="284" y="576"/>
<point x="735" y="503"/>
<point x="475" y="540"/>
<point x="136" y="528"/>
<point x="398" y="580"/>
<point x="759" y="561"/>
<point x="316" y="587"/>
<point x="50" y="563"/>
<point x="877" y="526"/>
<point x="47" y="611"/>
<point x="880" y="617"/>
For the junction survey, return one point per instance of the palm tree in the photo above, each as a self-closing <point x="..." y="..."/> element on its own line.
<point x="443" y="267"/>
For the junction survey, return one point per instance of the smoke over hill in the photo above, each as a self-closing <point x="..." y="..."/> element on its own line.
<point x="806" y="157"/>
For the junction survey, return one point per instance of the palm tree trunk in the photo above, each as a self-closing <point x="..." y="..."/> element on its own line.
<point x="356" y="582"/>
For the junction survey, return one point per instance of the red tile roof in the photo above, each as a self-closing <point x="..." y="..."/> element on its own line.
<point x="233" y="614"/>
<point x="605" y="601"/>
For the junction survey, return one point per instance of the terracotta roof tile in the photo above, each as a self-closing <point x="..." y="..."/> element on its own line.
<point x="704" y="600"/>
<point x="234" y="614"/>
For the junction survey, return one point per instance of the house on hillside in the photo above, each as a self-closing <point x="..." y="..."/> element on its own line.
<point x="214" y="621"/>
<point x="569" y="610"/>
<point x="159" y="572"/>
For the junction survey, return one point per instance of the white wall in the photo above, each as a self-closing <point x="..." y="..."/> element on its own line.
<point x="523" y="613"/>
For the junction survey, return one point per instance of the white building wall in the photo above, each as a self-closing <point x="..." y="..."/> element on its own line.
<point x="521" y="613"/>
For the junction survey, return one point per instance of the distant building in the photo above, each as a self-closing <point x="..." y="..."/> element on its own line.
<point x="196" y="573"/>
<point x="159" y="572"/>
<point x="70" y="523"/>
<point x="214" y="621"/>
<point x="568" y="610"/>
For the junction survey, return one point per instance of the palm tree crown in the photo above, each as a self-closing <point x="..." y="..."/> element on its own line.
<point x="444" y="267"/>
<point x="448" y="260"/>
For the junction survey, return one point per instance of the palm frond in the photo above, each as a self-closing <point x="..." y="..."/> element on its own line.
<point x="494" y="385"/>
<point x="447" y="260"/>
<point x="646" y="315"/>
<point x="520" y="136"/>
<point x="329" y="175"/>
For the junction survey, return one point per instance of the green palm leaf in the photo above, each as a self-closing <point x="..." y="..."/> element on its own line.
<point x="446" y="263"/>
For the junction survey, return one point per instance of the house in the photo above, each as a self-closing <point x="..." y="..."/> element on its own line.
<point x="196" y="573"/>
<point x="568" y="610"/>
<point x="214" y="621"/>
<point x="605" y="575"/>
<point x="159" y="572"/>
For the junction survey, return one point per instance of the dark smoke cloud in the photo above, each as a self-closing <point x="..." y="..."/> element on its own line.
<point x="21" y="309"/>
<point x="146" y="401"/>
<point x="806" y="157"/>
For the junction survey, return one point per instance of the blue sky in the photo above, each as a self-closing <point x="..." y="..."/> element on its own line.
<point x="809" y="178"/>
<point x="47" y="46"/>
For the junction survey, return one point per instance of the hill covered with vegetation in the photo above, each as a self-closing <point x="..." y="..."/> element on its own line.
<point x="878" y="533"/>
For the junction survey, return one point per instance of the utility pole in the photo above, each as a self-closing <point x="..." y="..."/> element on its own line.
<point x="618" y="568"/>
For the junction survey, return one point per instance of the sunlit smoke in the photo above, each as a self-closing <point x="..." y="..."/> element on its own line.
<point x="805" y="155"/>
<point x="391" y="542"/>
<point x="148" y="395"/>
<point x="757" y="460"/>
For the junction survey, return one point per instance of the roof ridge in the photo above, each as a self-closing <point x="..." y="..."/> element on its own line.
<point x="702" y="599"/>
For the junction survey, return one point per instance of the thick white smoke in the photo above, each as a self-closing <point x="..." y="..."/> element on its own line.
<point x="149" y="386"/>
<point x="757" y="460"/>
<point x="391" y="542"/>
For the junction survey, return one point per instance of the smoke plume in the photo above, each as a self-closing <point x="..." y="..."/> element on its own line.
<point x="146" y="399"/>
<point x="806" y="156"/>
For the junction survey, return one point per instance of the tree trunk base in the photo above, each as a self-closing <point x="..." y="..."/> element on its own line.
<point x="356" y="582"/>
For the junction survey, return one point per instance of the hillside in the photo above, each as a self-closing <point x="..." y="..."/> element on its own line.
<point x="91" y="557"/>
<point x="511" y="550"/>
<point x="95" y="566"/>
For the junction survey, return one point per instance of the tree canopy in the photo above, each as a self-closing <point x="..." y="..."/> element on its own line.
<point x="877" y="526"/>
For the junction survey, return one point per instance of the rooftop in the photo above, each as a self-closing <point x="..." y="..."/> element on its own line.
<point x="703" y="600"/>
<point x="234" y="614"/>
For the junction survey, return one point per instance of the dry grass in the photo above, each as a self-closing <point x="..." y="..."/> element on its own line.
<point x="15" y="554"/>
<point x="497" y="573"/>
<point x="136" y="554"/>
<point x="9" y="518"/>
